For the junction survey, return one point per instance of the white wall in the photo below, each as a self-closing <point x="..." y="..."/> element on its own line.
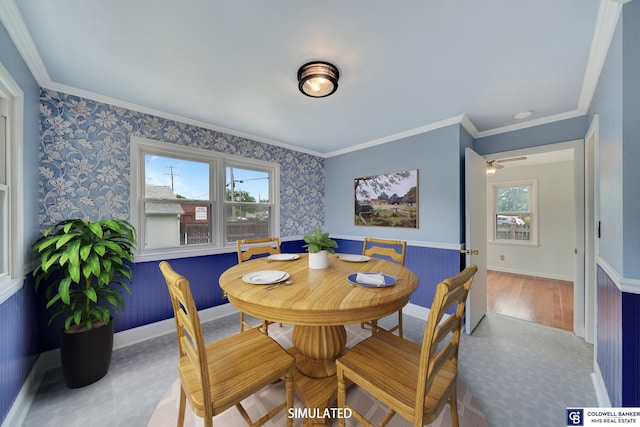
<point x="554" y="256"/>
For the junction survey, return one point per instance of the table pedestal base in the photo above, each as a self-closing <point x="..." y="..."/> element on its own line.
<point x="315" y="394"/>
<point x="317" y="349"/>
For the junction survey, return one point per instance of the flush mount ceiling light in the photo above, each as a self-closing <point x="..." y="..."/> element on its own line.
<point x="318" y="79"/>
<point x="523" y="115"/>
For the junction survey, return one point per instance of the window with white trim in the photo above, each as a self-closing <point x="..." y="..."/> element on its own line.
<point x="4" y="198"/>
<point x="247" y="203"/>
<point x="188" y="201"/>
<point x="11" y="186"/>
<point x="514" y="215"/>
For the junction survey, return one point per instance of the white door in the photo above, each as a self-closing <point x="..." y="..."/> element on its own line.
<point x="476" y="235"/>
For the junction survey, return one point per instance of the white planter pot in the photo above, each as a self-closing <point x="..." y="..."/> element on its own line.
<point x="319" y="260"/>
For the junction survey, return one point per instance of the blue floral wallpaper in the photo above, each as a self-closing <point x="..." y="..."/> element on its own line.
<point x="84" y="162"/>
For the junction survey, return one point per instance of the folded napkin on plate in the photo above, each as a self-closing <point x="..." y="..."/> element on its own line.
<point x="370" y="278"/>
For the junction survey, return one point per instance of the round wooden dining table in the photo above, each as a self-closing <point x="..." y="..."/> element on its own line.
<point x="318" y="304"/>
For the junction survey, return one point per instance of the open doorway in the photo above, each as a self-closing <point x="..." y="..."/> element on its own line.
<point x="532" y="247"/>
<point x="532" y="298"/>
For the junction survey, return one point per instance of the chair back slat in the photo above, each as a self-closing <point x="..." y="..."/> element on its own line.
<point x="393" y="249"/>
<point x="190" y="351"/>
<point x="188" y="327"/>
<point x="442" y="337"/>
<point x="445" y="327"/>
<point x="452" y="298"/>
<point x="248" y="248"/>
<point x="439" y="359"/>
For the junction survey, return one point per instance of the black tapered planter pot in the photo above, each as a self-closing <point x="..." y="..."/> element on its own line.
<point x="85" y="355"/>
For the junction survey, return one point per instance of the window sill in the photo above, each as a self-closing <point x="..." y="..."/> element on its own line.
<point x="9" y="287"/>
<point x="176" y="253"/>
<point x="513" y="243"/>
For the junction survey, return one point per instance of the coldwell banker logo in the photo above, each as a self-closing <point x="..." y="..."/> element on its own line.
<point x="575" y="417"/>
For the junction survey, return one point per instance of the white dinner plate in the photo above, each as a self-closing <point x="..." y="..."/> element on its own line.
<point x="283" y="257"/>
<point x="354" y="258"/>
<point x="265" y="277"/>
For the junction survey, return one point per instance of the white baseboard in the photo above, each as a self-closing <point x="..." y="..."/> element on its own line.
<point x="163" y="327"/>
<point x="530" y="273"/>
<point x="18" y="411"/>
<point x="602" y="396"/>
<point x="415" y="310"/>
<point x="51" y="359"/>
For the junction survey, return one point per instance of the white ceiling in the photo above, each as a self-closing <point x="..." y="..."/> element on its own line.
<point x="405" y="66"/>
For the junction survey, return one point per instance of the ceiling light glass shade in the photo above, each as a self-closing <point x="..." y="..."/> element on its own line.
<point x="491" y="170"/>
<point x="318" y="79"/>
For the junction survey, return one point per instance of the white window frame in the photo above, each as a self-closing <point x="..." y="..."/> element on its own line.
<point x="141" y="146"/>
<point x="243" y="163"/>
<point x="533" y="208"/>
<point x="12" y="227"/>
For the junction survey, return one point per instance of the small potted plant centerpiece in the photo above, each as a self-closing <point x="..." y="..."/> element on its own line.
<point x="319" y="245"/>
<point x="84" y="265"/>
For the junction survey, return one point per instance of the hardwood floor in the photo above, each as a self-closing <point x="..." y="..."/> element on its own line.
<point x="536" y="299"/>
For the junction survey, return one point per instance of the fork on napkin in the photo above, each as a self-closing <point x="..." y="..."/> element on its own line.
<point x="370" y="278"/>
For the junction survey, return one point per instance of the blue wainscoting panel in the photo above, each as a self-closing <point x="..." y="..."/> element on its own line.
<point x="609" y="353"/>
<point x="431" y="265"/>
<point x="19" y="346"/>
<point x="292" y="247"/>
<point x="346" y="246"/>
<point x="630" y="350"/>
<point x="149" y="301"/>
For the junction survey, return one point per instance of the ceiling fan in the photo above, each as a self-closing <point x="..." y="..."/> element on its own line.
<point x="494" y="165"/>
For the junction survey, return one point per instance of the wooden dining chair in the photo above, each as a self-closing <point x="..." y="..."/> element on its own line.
<point x="393" y="250"/>
<point x="220" y="375"/>
<point x="413" y="381"/>
<point x="248" y="248"/>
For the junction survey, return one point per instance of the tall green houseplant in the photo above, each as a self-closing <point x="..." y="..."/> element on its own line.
<point x="83" y="264"/>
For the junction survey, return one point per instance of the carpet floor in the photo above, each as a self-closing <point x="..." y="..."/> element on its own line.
<point x="166" y="413"/>
<point x="521" y="374"/>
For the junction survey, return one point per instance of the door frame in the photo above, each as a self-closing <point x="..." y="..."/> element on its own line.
<point x="582" y="315"/>
<point x="591" y="218"/>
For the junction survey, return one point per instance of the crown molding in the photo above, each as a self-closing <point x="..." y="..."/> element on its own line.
<point x="531" y="123"/>
<point x="466" y="123"/>
<point x="606" y="22"/>
<point x="169" y="116"/>
<point x="12" y="20"/>
<point x="399" y="135"/>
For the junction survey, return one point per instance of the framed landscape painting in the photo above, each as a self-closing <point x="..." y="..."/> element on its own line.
<point x="387" y="200"/>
